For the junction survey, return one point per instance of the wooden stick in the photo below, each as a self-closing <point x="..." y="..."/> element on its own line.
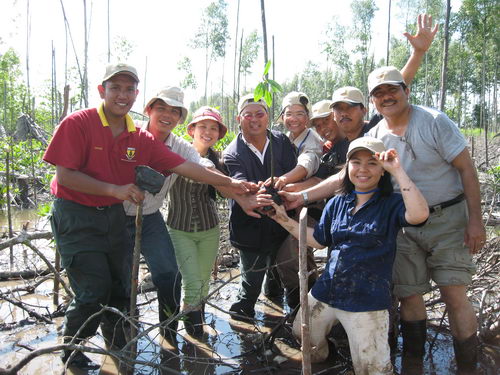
<point x="57" y="266"/>
<point x="135" y="278"/>
<point x="304" y="306"/>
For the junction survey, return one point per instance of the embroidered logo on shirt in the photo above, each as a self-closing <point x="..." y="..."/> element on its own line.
<point x="130" y="153"/>
<point x="98" y="148"/>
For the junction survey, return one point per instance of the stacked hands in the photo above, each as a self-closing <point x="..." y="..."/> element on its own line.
<point x="274" y="200"/>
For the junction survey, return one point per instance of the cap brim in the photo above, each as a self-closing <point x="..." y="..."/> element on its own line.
<point x="344" y="101"/>
<point x="126" y="72"/>
<point x="356" y="149"/>
<point x="222" y="127"/>
<point x="170" y="102"/>
<point x="392" y="83"/>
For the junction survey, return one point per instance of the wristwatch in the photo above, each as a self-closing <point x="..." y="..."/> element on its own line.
<point x="305" y="197"/>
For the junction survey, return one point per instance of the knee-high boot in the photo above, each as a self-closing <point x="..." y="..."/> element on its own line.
<point x="466" y="355"/>
<point x="414" y="336"/>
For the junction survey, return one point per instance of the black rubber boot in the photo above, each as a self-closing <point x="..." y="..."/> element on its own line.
<point x="194" y="323"/>
<point x="169" y="331"/>
<point x="78" y="360"/>
<point x="414" y="336"/>
<point x="115" y="333"/>
<point x="466" y="355"/>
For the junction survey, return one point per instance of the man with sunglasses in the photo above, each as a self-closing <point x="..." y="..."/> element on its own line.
<point x="434" y="154"/>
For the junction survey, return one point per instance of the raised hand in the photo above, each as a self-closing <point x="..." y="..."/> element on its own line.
<point x="389" y="160"/>
<point x="422" y="40"/>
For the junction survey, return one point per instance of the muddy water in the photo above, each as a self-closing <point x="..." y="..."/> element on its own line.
<point x="228" y="347"/>
<point x="19" y="218"/>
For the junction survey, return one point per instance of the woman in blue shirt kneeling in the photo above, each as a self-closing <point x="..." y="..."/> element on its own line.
<point x="360" y="225"/>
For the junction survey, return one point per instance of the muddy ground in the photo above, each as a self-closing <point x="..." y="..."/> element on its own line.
<point x="228" y="347"/>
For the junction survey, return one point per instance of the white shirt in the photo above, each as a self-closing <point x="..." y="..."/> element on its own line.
<point x="310" y="149"/>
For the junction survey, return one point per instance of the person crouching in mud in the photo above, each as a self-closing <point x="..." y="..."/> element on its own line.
<point x="360" y="225"/>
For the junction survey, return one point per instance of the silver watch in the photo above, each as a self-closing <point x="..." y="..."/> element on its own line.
<point x="305" y="197"/>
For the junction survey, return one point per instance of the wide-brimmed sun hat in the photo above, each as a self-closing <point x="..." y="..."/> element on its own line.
<point x="171" y="95"/>
<point x="207" y="113"/>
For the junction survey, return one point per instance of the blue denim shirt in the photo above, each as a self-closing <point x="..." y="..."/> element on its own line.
<point x="359" y="272"/>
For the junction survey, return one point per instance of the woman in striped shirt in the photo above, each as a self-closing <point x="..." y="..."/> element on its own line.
<point x="193" y="221"/>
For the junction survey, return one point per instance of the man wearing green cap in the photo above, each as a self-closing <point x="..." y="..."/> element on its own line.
<point x="95" y="152"/>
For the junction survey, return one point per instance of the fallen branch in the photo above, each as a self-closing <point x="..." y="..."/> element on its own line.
<point x="24" y="236"/>
<point x="22" y="306"/>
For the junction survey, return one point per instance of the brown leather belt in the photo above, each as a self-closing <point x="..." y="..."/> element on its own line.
<point x="451" y="202"/>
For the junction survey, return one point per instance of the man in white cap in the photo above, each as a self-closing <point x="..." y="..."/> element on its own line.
<point x="434" y="154"/>
<point x="323" y="122"/>
<point x="165" y="111"/>
<point x="348" y="110"/>
<point x="95" y="152"/>
<point x="421" y="41"/>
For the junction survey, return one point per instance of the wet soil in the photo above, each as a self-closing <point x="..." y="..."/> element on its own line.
<point x="227" y="347"/>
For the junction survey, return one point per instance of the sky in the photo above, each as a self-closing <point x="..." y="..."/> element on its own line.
<point x="161" y="30"/>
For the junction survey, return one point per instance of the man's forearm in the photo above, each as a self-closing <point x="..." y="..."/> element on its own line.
<point x="83" y="183"/>
<point x="325" y="189"/>
<point x="201" y="174"/>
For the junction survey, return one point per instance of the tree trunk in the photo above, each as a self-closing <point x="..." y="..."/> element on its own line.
<point x="236" y="95"/>
<point x="85" y="82"/>
<point x="28" y="34"/>
<point x="444" y="68"/>
<point x="388" y="34"/>
<point x="109" y="39"/>
<point x="239" y="62"/>
<point x="264" y="30"/>
<point x="483" y="122"/>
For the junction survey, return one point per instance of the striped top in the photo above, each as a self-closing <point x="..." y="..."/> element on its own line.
<point x="191" y="206"/>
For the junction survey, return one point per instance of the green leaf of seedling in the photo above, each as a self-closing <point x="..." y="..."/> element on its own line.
<point x="268" y="98"/>
<point x="259" y="92"/>
<point x="275" y="86"/>
<point x="268" y="66"/>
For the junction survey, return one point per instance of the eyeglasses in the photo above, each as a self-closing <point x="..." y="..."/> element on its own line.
<point x="300" y="114"/>
<point x="408" y="148"/>
<point x="249" y="116"/>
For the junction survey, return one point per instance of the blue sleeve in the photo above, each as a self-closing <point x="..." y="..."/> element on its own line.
<point x="322" y="231"/>
<point x="289" y="155"/>
<point x="234" y="167"/>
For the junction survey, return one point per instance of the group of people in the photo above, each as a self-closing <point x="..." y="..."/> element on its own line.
<point x="385" y="236"/>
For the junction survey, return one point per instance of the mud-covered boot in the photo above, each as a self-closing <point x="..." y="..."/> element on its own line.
<point x="414" y="336"/>
<point x="466" y="355"/>
<point x="169" y="331"/>
<point x="114" y="333"/>
<point x="194" y="323"/>
<point x="78" y="359"/>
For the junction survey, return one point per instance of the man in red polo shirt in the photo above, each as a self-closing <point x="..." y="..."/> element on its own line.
<point x="95" y="152"/>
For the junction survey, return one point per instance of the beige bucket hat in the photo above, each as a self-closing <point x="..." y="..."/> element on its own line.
<point x="173" y="96"/>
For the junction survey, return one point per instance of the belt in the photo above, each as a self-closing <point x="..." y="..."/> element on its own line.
<point x="451" y="202"/>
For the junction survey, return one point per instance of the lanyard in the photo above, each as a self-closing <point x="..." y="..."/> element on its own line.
<point x="302" y="143"/>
